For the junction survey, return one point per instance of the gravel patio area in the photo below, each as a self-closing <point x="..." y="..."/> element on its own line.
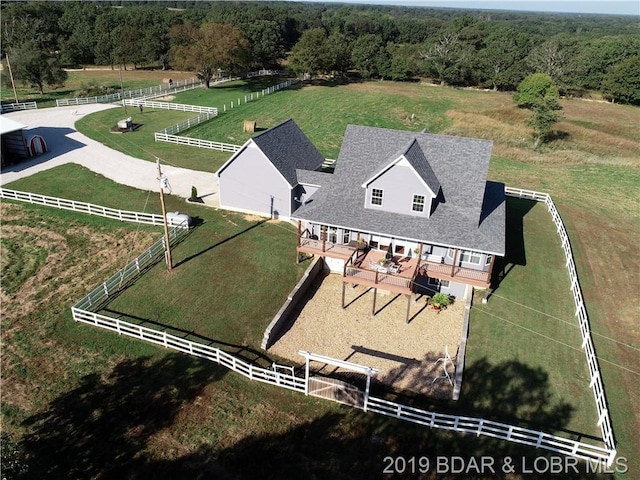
<point x="404" y="353"/>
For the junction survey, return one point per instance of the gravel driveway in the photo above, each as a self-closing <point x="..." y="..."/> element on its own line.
<point x="66" y="145"/>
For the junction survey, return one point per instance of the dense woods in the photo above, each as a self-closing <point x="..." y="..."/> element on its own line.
<point x="485" y="49"/>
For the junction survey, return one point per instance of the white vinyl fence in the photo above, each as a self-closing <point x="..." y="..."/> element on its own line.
<point x="137" y="93"/>
<point x="463" y="424"/>
<point x="196" y="142"/>
<point x="12" y="107"/>
<point x="170" y="106"/>
<point x="168" y="134"/>
<point x="81" y="207"/>
<point x="604" y="419"/>
<point x="127" y="275"/>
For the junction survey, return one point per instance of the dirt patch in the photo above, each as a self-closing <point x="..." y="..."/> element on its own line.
<point x="405" y="354"/>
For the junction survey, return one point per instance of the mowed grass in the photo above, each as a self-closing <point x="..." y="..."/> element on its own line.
<point x="527" y="334"/>
<point x="592" y="173"/>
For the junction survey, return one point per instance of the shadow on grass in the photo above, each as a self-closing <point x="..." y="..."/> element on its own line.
<point x="105" y="428"/>
<point x="100" y="428"/>
<point x="221" y="242"/>
<point x="243" y="352"/>
<point x="514" y="240"/>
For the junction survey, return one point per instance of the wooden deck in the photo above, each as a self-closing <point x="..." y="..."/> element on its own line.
<point x="318" y="247"/>
<point x="358" y="269"/>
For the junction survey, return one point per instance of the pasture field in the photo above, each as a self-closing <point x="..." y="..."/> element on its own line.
<point x="591" y="170"/>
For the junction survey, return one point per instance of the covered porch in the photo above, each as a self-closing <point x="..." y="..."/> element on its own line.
<point x="403" y="272"/>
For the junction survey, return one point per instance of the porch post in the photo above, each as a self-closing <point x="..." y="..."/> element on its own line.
<point x="493" y="262"/>
<point x="323" y="233"/>
<point x="455" y="260"/>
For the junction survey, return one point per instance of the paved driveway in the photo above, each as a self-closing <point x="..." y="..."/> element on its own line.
<point x="67" y="145"/>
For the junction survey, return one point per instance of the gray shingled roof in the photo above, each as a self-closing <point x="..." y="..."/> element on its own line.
<point x="313" y="177"/>
<point x="471" y="212"/>
<point x="288" y="148"/>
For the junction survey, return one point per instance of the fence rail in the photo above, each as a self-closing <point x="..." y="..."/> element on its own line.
<point x="88" y="208"/>
<point x="480" y="426"/>
<point x="196" y="142"/>
<point x="12" y="107"/>
<point x="604" y="419"/>
<point x="170" y="106"/>
<point x="168" y="134"/>
<point x="130" y="272"/>
<point x="253" y="372"/>
<point x="187" y="124"/>
<point x="137" y="93"/>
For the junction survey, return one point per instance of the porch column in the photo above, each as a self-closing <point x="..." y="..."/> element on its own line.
<point x="455" y="260"/>
<point x="323" y="234"/>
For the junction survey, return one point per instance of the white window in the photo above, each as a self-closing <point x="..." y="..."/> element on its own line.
<point x="487" y="261"/>
<point x="470" y="257"/>
<point x="451" y="252"/>
<point x="333" y="235"/>
<point x="346" y="236"/>
<point x="418" y="203"/>
<point x="376" y="196"/>
<point x="438" y="283"/>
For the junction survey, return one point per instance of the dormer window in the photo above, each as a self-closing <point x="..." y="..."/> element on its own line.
<point x="376" y="196"/>
<point x="418" y="203"/>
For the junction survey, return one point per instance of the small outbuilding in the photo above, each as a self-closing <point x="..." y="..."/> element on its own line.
<point x="13" y="142"/>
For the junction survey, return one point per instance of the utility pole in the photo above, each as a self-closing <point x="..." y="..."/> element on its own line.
<point x="164" y="217"/>
<point x="13" y="83"/>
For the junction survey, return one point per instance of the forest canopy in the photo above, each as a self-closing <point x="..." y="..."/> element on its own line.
<point x="484" y="49"/>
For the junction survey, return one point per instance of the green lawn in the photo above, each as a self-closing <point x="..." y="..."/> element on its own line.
<point x="592" y="173"/>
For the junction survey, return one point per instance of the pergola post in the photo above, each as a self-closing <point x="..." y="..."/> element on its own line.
<point x="408" y="307"/>
<point x="366" y="390"/>
<point x="375" y="291"/>
<point x="306" y="376"/>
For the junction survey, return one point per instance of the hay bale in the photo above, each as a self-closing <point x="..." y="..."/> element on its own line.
<point x="249" y="126"/>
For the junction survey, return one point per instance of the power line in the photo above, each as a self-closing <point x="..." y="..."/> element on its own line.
<point x="565" y="321"/>
<point x="553" y="340"/>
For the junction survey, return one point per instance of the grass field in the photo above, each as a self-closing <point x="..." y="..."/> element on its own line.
<point x="592" y="173"/>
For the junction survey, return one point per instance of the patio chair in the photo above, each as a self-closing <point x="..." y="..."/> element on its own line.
<point x="394" y="268"/>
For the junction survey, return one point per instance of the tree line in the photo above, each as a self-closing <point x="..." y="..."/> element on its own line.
<point x="495" y="50"/>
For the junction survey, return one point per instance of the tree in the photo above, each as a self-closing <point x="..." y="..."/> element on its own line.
<point x="443" y="55"/>
<point x="370" y="56"/>
<point x="538" y="94"/>
<point x="622" y="82"/>
<point x="308" y="55"/>
<point x="267" y="45"/>
<point x="32" y="65"/>
<point x="210" y="48"/>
